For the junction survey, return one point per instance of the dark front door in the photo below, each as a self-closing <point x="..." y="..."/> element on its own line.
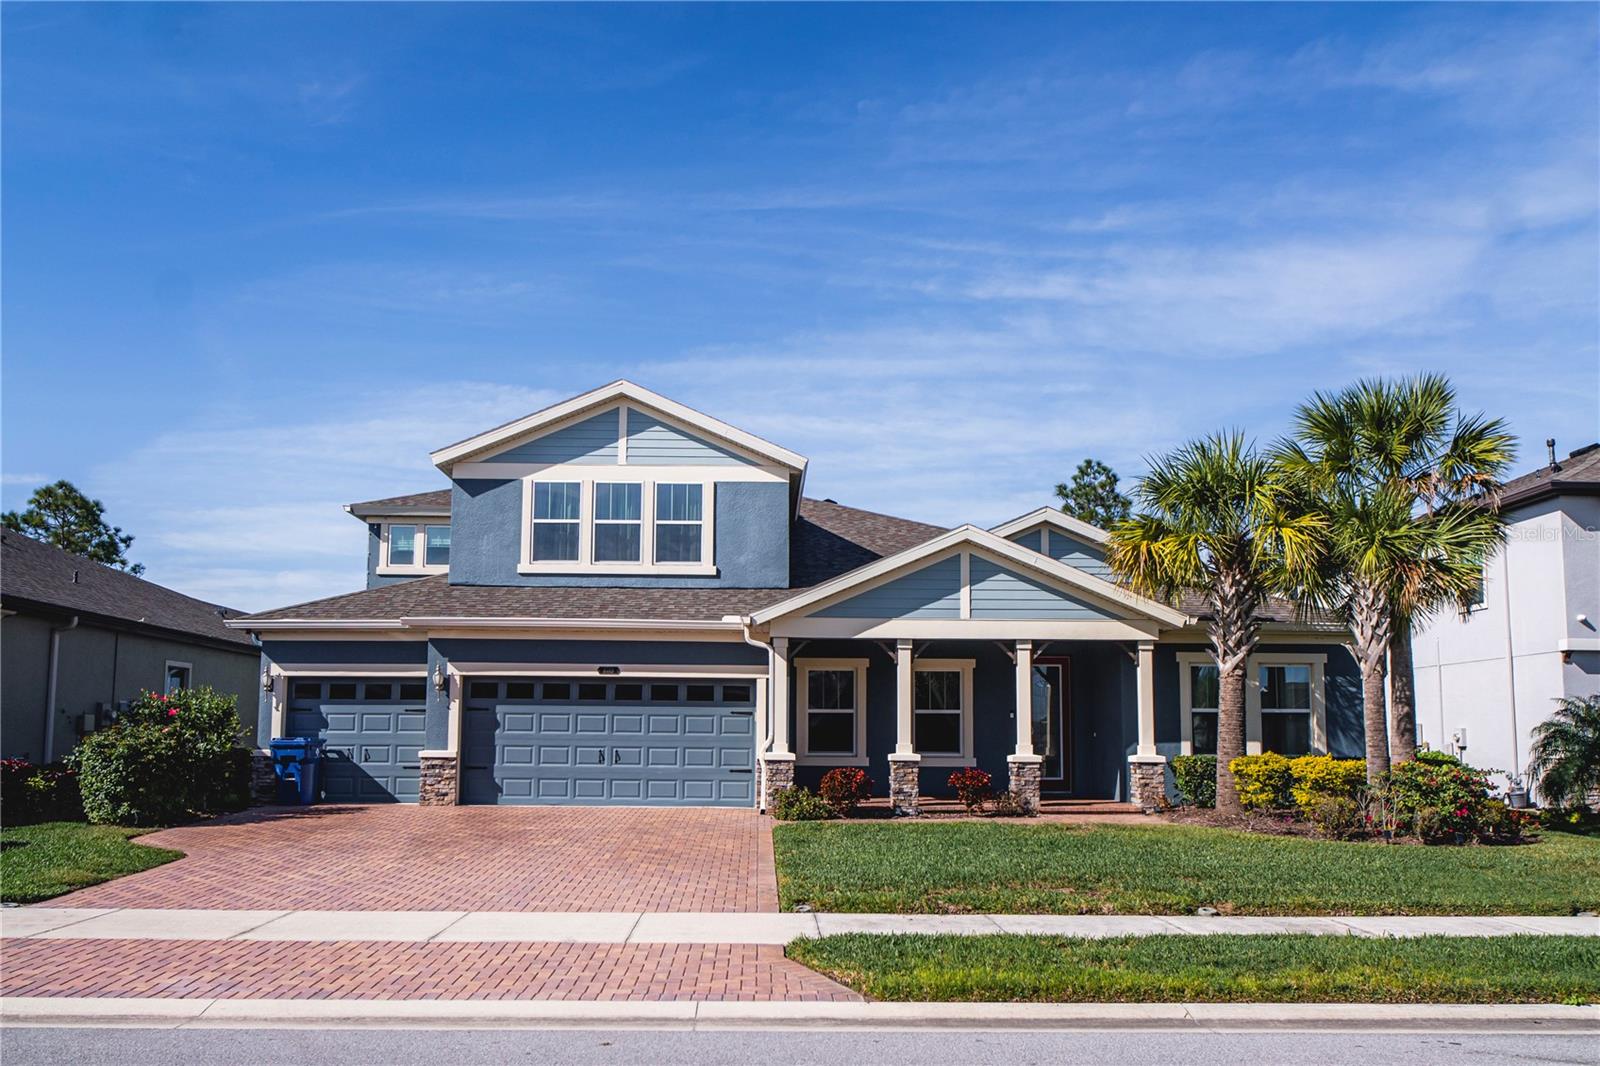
<point x="1051" y="711"/>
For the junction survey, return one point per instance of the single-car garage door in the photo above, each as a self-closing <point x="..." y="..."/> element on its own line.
<point x="655" y="742"/>
<point x="372" y="730"/>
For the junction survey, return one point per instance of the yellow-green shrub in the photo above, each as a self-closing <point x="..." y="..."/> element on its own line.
<point x="1322" y="777"/>
<point x="1263" y="781"/>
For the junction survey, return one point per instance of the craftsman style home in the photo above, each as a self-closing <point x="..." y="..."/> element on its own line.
<point x="621" y="600"/>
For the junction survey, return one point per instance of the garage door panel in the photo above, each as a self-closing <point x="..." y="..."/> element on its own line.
<point x="593" y="723"/>
<point x="371" y="748"/>
<point x="656" y="757"/>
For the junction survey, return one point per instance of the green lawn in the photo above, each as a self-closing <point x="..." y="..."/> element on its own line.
<point x="1006" y="867"/>
<point x="41" y="861"/>
<point x="1192" y="969"/>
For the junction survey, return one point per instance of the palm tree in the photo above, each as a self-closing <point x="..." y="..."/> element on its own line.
<point x="1217" y="519"/>
<point x="1404" y="478"/>
<point x="1565" y="762"/>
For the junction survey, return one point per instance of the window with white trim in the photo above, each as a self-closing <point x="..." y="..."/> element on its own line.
<point x="1203" y="689"/>
<point x="557" y="520"/>
<point x="618" y="521"/>
<point x="1285" y="707"/>
<point x="436" y="546"/>
<point x="831" y="697"/>
<point x="941" y="710"/>
<point x="679" y="527"/>
<point x="413" y="547"/>
<point x="402" y="545"/>
<point x="179" y="676"/>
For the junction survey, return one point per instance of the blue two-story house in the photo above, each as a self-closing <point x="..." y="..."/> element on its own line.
<point x="621" y="600"/>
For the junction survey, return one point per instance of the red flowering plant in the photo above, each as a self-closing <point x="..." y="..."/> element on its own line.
<point x="1443" y="802"/>
<point x="972" y="788"/>
<point x="844" y="787"/>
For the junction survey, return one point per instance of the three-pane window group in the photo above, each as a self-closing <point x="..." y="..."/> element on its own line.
<point x="617" y="522"/>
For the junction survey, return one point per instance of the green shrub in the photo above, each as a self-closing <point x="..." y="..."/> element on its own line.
<point x="31" y="794"/>
<point x="800" y="805"/>
<point x="1263" y="780"/>
<point x="1442" y="801"/>
<point x="1337" y="817"/>
<point x="166" y="758"/>
<point x="1320" y="777"/>
<point x="1196" y="779"/>
<point x="1437" y="758"/>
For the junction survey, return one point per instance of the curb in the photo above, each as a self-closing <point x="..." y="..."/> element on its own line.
<point x="691" y="1014"/>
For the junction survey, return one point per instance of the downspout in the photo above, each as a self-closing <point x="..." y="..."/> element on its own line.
<point x="1515" y="773"/>
<point x="50" y="688"/>
<point x="766" y="712"/>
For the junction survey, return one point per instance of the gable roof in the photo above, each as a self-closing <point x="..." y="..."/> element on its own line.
<point x="606" y="396"/>
<point x="972" y="536"/>
<point x="1056" y="519"/>
<point x="43" y="576"/>
<point x="1576" y="475"/>
<point x="828" y="539"/>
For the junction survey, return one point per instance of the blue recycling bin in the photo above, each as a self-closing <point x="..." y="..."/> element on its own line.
<point x="296" y="761"/>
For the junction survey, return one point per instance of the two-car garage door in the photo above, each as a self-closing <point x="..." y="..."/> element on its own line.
<point x="657" y="742"/>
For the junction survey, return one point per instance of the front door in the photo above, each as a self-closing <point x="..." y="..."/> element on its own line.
<point x="1051" y="711"/>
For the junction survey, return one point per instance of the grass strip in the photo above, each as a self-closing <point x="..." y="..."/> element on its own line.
<point x="1210" y="969"/>
<point x="1010" y="868"/>
<point x="38" y="862"/>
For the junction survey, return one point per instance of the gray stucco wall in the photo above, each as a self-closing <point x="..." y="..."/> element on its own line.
<point x="752" y="539"/>
<point x="101" y="666"/>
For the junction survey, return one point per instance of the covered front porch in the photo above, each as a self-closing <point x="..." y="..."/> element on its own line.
<point x="1048" y="719"/>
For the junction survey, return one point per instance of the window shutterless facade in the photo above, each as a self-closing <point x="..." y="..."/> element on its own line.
<point x="178" y="677"/>
<point x="618" y="523"/>
<point x="1285" y="703"/>
<point x="618" y="527"/>
<point x="831" y="699"/>
<point x="413" y="547"/>
<point x="679" y="527"/>
<point x="1285" y="708"/>
<point x="941" y="711"/>
<point x="557" y="520"/>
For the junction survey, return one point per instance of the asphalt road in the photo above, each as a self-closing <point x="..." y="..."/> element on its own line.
<point x="351" y="1047"/>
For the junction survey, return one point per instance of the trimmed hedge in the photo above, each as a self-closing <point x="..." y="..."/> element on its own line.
<point x="1263" y="781"/>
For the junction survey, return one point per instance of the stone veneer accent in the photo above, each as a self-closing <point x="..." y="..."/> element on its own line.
<point x="263" y="778"/>
<point x="1147" y="781"/>
<point x="905" y="785"/>
<point x="779" y="776"/>
<point x="1026" y="772"/>
<point x="439" y="779"/>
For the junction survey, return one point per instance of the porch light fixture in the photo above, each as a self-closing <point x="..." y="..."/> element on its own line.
<point x="266" y="679"/>
<point x="439" y="680"/>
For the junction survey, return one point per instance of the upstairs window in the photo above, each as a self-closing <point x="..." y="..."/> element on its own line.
<point x="618" y="518"/>
<point x="679" y="525"/>
<point x="402" y="545"/>
<point x="557" y="513"/>
<point x="437" y="546"/>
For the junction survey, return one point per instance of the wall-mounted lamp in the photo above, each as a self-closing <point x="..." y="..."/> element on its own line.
<point x="266" y="679"/>
<point x="439" y="680"/>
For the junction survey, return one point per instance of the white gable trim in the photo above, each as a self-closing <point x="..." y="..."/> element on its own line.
<point x="599" y="400"/>
<point x="998" y="549"/>
<point x="1052" y="517"/>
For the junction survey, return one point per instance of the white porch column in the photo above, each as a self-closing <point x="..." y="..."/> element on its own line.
<point x="1147" y="697"/>
<point x="779" y="690"/>
<point x="1024" y="697"/>
<point x="902" y="696"/>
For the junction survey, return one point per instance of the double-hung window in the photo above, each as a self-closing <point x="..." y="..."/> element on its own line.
<point x="679" y="524"/>
<point x="941" y="711"/>
<point x="832" y="704"/>
<point x="402" y="545"/>
<point x="1203" y="701"/>
<point x="413" y="548"/>
<point x="1285" y="707"/>
<point x="618" y="521"/>
<point x="436" y="548"/>
<point x="557" y="519"/>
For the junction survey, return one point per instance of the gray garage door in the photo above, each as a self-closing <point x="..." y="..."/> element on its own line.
<point x="373" y="731"/>
<point x="659" y="742"/>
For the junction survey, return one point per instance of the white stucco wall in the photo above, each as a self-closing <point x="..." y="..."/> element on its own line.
<point x="1497" y="671"/>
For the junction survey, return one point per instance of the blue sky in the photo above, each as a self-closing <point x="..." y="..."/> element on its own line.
<point x="260" y="259"/>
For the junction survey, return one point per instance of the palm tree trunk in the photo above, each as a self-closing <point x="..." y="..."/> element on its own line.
<point x="1369" y="626"/>
<point x="1230" y="733"/>
<point x="1402" y="695"/>
<point x="1372" y="692"/>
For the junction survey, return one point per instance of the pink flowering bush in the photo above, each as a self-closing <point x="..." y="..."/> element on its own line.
<point x="1443" y="802"/>
<point x="166" y="758"/>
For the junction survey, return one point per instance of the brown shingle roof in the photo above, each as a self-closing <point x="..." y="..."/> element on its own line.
<point x="1577" y="475"/>
<point x="43" y="576"/>
<point x="436" y="502"/>
<point x="829" y="539"/>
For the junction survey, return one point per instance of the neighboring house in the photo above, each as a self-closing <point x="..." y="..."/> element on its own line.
<point x="1485" y="677"/>
<point x="620" y="600"/>
<point x="80" y="640"/>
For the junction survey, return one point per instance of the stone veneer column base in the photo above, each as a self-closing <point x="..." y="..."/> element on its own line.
<point x="778" y="775"/>
<point x="905" y="785"/>
<point x="1147" y="781"/>
<point x="263" y="778"/>
<point x="1026" y="772"/>
<point x="441" y="772"/>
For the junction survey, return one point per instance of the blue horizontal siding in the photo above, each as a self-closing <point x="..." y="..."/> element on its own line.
<point x="652" y="442"/>
<point x="1030" y="540"/>
<point x="1076" y="553"/>
<point x="998" y="592"/>
<point x="591" y="442"/>
<point x="932" y="592"/>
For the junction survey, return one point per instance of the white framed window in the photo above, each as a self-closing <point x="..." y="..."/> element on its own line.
<point x="1285" y="703"/>
<point x="1285" y="689"/>
<point x="436" y="546"/>
<point x="413" y="546"/>
<point x="178" y="677"/>
<point x="402" y="544"/>
<point x="831" y="698"/>
<point x="1198" y="688"/>
<point x="941" y="711"/>
<point x="590" y="526"/>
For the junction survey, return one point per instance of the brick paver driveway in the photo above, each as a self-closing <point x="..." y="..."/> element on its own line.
<point x="459" y="858"/>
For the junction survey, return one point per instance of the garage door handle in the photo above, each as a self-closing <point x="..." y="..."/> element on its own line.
<point x="741" y="770"/>
<point x="411" y="766"/>
<point x="741" y="712"/>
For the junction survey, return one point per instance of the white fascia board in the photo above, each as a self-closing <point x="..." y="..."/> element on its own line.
<point x="1050" y="516"/>
<point x="985" y="542"/>
<point x="264" y="624"/>
<point x="447" y="622"/>
<point x="625" y="391"/>
<point x="405" y="513"/>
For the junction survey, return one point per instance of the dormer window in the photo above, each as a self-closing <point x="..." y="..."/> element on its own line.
<point x="618" y="527"/>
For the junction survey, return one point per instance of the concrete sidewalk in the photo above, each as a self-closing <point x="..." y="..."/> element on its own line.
<point x="80" y="923"/>
<point x="685" y="1014"/>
